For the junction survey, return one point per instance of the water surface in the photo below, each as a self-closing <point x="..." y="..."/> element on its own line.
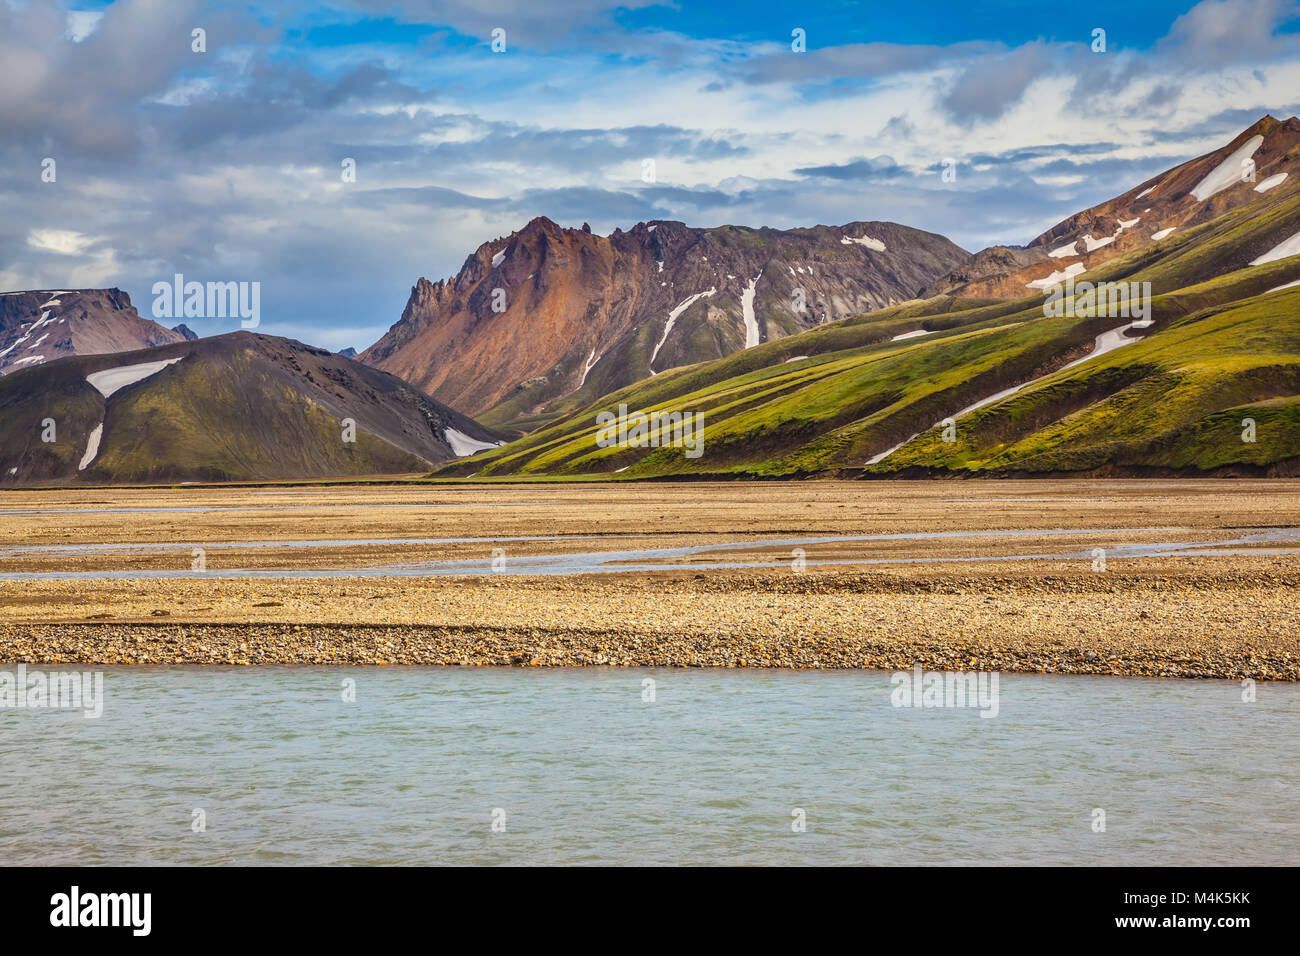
<point x="588" y="772"/>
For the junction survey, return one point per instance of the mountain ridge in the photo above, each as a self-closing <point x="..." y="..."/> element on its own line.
<point x="1150" y="212"/>
<point x="598" y="312"/>
<point x="1203" y="379"/>
<point x="38" y="326"/>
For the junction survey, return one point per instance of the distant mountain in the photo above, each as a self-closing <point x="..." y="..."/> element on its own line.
<point x="348" y="352"/>
<point x="549" y="313"/>
<point x="230" y="407"/>
<point x="185" y="332"/>
<point x="1202" y="378"/>
<point x="39" y="327"/>
<point x="1264" y="157"/>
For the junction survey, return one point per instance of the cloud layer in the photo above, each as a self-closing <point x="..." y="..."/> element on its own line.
<point x="228" y="164"/>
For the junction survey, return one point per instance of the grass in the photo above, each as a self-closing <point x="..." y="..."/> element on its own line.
<point x="1222" y="350"/>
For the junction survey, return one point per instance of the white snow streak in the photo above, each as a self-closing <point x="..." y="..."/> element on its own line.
<point x="1104" y="343"/>
<point x="1269" y="183"/>
<point x="747" y="309"/>
<point x="92" y="446"/>
<point x="672" y="319"/>
<point x="1288" y="247"/>
<point x="875" y="245"/>
<point x="462" y="445"/>
<point x="111" y="380"/>
<point x="1228" y="172"/>
<point x="592" y="359"/>
<point x="1056" y="278"/>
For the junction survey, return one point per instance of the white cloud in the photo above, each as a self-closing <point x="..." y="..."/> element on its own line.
<point x="65" y="242"/>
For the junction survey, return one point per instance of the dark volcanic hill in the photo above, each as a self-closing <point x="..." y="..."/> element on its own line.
<point x="230" y="407"/>
<point x="38" y="327"/>
<point x="548" y="312"/>
<point x="1263" y="158"/>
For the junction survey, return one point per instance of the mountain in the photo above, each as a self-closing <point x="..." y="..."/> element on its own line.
<point x="549" y="313"/>
<point x="185" y="332"/>
<point x="348" y="352"/>
<point x="38" y="327"/>
<point x="1262" y="158"/>
<point x="1201" y="378"/>
<point x="233" y="407"/>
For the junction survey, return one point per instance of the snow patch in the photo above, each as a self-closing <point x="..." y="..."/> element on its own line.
<point x="462" y="445"/>
<point x="914" y="334"/>
<point x="1228" y="172"/>
<point x="795" y="359"/>
<point x="592" y="359"/>
<point x="111" y="380"/>
<point x="92" y="446"/>
<point x="747" y="310"/>
<point x="1269" y="183"/>
<point x="875" y="245"/>
<point x="1289" y="285"/>
<point x="1104" y="343"/>
<point x="499" y="258"/>
<point x="1128" y="223"/>
<point x="1157" y="236"/>
<point x="1090" y="244"/>
<point x="1056" y="278"/>
<point x="1288" y="247"/>
<point x="1145" y="192"/>
<point x="672" y="319"/>
<point x="30" y="358"/>
<point x="1069" y="249"/>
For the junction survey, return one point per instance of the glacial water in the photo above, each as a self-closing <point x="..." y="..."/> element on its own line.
<point x="1234" y="543"/>
<point x="576" y="766"/>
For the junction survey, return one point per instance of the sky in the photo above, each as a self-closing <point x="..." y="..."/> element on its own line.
<point x="228" y="163"/>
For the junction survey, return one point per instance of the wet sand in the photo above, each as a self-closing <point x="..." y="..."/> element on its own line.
<point x="941" y="590"/>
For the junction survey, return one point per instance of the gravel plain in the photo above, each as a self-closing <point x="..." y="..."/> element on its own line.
<point x="941" y="602"/>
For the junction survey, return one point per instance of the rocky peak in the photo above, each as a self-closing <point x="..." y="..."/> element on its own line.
<point x="594" y="313"/>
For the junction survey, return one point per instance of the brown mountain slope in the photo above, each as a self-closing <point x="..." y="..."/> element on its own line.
<point x="547" y="311"/>
<point x="1262" y="158"/>
<point x="38" y="327"/>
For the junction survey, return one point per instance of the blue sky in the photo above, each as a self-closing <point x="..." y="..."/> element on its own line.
<point x="225" y="164"/>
